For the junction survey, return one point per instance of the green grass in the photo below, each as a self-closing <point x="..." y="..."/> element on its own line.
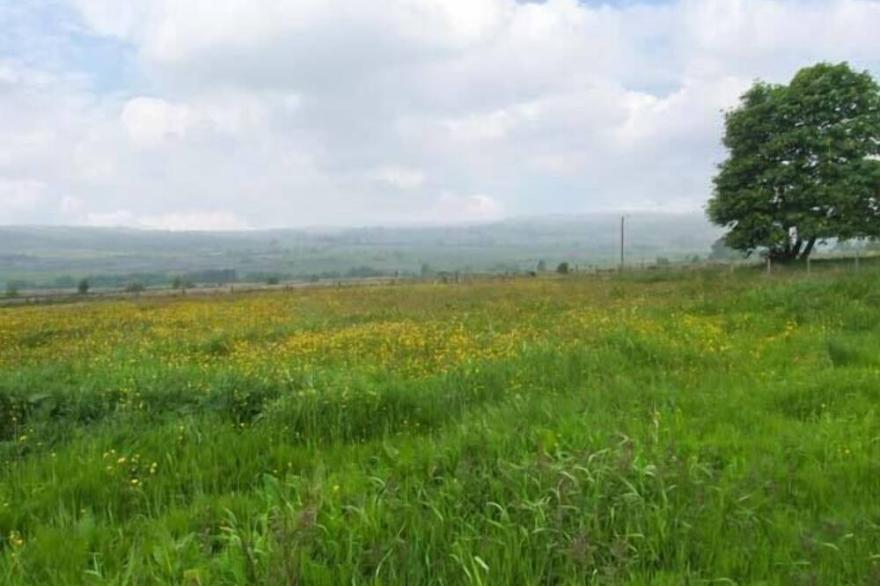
<point x="706" y="427"/>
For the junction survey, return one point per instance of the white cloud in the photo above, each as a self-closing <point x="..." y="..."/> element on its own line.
<point x="454" y="208"/>
<point x="71" y="206"/>
<point x="175" y="221"/>
<point x="109" y="219"/>
<point x="19" y="196"/>
<point x="488" y="126"/>
<point x="399" y="177"/>
<point x="152" y="121"/>
<point x="182" y="221"/>
<point x="253" y="113"/>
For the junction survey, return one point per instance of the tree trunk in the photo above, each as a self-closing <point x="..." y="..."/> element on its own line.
<point x="809" y="248"/>
<point x="784" y="255"/>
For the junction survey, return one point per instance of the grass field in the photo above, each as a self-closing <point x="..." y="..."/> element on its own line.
<point x="705" y="427"/>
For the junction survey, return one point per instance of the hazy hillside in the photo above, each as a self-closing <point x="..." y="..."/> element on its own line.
<point x="56" y="256"/>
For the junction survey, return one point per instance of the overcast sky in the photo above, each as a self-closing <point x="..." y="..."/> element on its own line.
<point x="203" y="114"/>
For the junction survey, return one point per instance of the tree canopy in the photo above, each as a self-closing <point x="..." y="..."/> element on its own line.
<point x="803" y="163"/>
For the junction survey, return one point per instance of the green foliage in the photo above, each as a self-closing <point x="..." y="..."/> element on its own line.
<point x="802" y="164"/>
<point x="83" y="286"/>
<point x="179" y="283"/>
<point x="563" y="268"/>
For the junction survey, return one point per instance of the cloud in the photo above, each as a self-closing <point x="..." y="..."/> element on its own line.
<point x="174" y="222"/>
<point x="451" y="208"/>
<point x="151" y="121"/>
<point x="19" y="196"/>
<point x="110" y="219"/>
<point x="214" y="220"/>
<point x="400" y="177"/>
<point x="261" y="113"/>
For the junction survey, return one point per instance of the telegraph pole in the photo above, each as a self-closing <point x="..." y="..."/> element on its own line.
<point x="622" y="218"/>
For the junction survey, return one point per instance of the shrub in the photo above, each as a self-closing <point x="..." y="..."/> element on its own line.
<point x="180" y="283"/>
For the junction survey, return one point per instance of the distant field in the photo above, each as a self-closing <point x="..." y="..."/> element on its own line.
<point x="33" y="257"/>
<point x="655" y="428"/>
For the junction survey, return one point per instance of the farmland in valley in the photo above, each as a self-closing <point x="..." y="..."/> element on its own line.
<point x="57" y="257"/>
<point x="654" y="427"/>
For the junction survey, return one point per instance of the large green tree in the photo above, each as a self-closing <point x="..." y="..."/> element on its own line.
<point x="803" y="163"/>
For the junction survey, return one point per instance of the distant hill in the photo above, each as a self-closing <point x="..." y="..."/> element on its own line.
<point x="55" y="256"/>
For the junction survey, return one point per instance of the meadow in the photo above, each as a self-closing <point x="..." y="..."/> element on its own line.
<point x="705" y="427"/>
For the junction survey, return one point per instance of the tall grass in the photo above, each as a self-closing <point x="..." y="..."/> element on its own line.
<point x="700" y="428"/>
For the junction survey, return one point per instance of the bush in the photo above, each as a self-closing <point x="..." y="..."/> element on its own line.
<point x="181" y="283"/>
<point x="563" y="268"/>
<point x="83" y="287"/>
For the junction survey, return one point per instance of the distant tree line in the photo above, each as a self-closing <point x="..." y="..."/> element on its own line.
<point x="139" y="281"/>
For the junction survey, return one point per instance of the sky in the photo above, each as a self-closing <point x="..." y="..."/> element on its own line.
<point x="245" y="114"/>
